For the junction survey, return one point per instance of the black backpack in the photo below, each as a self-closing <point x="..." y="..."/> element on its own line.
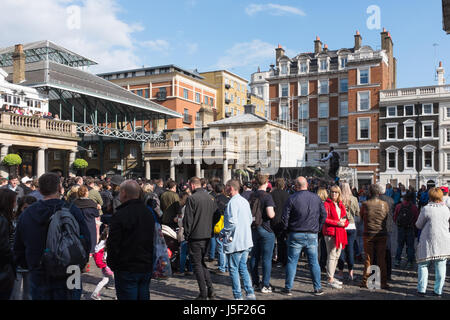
<point x="256" y="206"/>
<point x="405" y="217"/>
<point x="335" y="159"/>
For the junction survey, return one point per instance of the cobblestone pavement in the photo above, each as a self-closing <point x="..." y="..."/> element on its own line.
<point x="403" y="286"/>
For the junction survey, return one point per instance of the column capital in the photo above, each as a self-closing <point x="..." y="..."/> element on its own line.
<point x="43" y="148"/>
<point x="6" y="145"/>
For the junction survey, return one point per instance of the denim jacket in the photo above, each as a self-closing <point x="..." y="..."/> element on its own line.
<point x="237" y="232"/>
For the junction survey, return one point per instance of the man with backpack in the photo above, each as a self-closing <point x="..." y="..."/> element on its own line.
<point x="42" y="246"/>
<point x="405" y="216"/>
<point x="262" y="206"/>
<point x="334" y="158"/>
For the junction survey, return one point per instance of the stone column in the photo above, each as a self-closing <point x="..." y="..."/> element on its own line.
<point x="72" y="155"/>
<point x="225" y="171"/>
<point x="172" y="170"/>
<point x="198" y="168"/>
<point x="3" y="152"/>
<point x="147" y="170"/>
<point x="41" y="161"/>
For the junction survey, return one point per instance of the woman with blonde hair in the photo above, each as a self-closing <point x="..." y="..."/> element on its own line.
<point x="334" y="233"/>
<point x="434" y="242"/>
<point x="323" y="195"/>
<point x="347" y="255"/>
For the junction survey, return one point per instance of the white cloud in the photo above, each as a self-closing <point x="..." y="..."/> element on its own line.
<point x="273" y="9"/>
<point x="97" y="33"/>
<point x="159" y="45"/>
<point x="247" y="54"/>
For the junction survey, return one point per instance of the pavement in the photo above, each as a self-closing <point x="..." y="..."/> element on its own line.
<point x="403" y="286"/>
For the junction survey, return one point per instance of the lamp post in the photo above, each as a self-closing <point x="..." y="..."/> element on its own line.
<point x="89" y="151"/>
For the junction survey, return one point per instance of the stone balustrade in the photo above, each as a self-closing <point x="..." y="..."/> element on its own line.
<point x="410" y="92"/>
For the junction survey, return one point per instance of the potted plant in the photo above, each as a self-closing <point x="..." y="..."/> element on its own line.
<point x="80" y="164"/>
<point x="12" y="161"/>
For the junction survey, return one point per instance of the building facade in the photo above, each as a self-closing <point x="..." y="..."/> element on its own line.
<point x="260" y="86"/>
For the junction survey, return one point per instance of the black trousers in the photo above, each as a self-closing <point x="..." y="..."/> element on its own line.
<point x="198" y="250"/>
<point x="281" y="248"/>
<point x="333" y="171"/>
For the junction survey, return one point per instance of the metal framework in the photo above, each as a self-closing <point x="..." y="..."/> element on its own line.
<point x="88" y="129"/>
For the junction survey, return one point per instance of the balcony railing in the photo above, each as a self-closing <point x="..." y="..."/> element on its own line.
<point x="19" y="124"/>
<point x="421" y="91"/>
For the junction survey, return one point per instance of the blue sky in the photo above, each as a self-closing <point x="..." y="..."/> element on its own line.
<point x="236" y="35"/>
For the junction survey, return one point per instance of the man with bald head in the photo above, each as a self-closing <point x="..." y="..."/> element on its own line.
<point x="303" y="218"/>
<point x="130" y="244"/>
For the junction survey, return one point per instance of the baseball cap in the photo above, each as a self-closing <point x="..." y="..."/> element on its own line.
<point x="26" y="180"/>
<point x="444" y="189"/>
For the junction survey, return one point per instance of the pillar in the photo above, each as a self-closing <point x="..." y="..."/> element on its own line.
<point x="225" y="171"/>
<point x="198" y="168"/>
<point x="147" y="170"/>
<point x="3" y="152"/>
<point x="41" y="161"/>
<point x="172" y="170"/>
<point x="72" y="155"/>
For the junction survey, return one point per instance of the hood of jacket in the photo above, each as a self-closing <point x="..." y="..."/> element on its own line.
<point x="41" y="210"/>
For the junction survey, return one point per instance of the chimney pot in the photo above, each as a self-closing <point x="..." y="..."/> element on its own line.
<point x="440" y="64"/>
<point x="18" y="64"/>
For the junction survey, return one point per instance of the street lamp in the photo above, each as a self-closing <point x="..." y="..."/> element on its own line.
<point x="90" y="151"/>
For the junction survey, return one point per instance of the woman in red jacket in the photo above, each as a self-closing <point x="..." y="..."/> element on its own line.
<point x="334" y="233"/>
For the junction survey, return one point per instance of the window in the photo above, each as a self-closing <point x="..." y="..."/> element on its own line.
<point x="113" y="153"/>
<point x="197" y="97"/>
<point x="343" y="108"/>
<point x="392" y="160"/>
<point x="448" y="112"/>
<point x="427" y="109"/>
<point x="284" y="68"/>
<point x="303" y="67"/>
<point x="364" y="156"/>
<point x="133" y="152"/>
<point x="197" y="117"/>
<point x="323" y="86"/>
<point x="448" y="135"/>
<point x="305" y="130"/>
<point x="186" y="113"/>
<point x="140" y="93"/>
<point x="448" y="161"/>
<point x="186" y="93"/>
<point x="323" y="110"/>
<point x="56" y="155"/>
<point x="364" y="101"/>
<point x="206" y="100"/>
<point x="391" y="111"/>
<point x="343" y="62"/>
<point x="284" y="112"/>
<point x="323" y="65"/>
<point x="284" y="90"/>
<point x="260" y="91"/>
<point x="304" y="88"/>
<point x="392" y="132"/>
<point x="323" y="134"/>
<point x="428" y="159"/>
<point x="427" y="130"/>
<point x="409" y="157"/>
<point x="343" y="133"/>
<point x="211" y="101"/>
<point x="303" y="111"/>
<point x="364" y="76"/>
<point x="409" y="110"/>
<point x="343" y="83"/>
<point x="364" y="128"/>
<point x="147" y="93"/>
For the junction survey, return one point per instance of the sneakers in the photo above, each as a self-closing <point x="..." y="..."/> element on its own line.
<point x="334" y="285"/>
<point x="240" y="298"/>
<point x="250" y="297"/>
<point x="95" y="296"/>
<point x="287" y="292"/>
<point x="265" y="289"/>
<point x="318" y="292"/>
<point x="337" y="281"/>
<point x="437" y="295"/>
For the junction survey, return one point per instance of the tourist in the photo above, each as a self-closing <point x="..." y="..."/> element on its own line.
<point x="247" y="190"/>
<point x="390" y="229"/>
<point x="184" y="247"/>
<point x="7" y="204"/>
<point x="13" y="185"/>
<point x="322" y="193"/>
<point x="130" y="244"/>
<point x="279" y="196"/>
<point x="303" y="218"/>
<point x="221" y="202"/>
<point x="100" y="260"/>
<point x="170" y="205"/>
<point x="89" y="209"/>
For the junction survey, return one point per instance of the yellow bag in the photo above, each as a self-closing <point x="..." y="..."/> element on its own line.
<point x="219" y="226"/>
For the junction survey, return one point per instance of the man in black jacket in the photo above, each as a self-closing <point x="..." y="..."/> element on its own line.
<point x="303" y="217"/>
<point x="280" y="197"/>
<point x="130" y="245"/>
<point x="200" y="215"/>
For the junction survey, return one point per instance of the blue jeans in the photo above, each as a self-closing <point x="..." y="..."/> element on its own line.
<point x="132" y="285"/>
<point x="223" y="263"/>
<point x="405" y="235"/>
<point x="348" y="254"/>
<point x="42" y="288"/>
<point x="212" y="248"/>
<point x="440" y="267"/>
<point x="237" y="263"/>
<point x="263" y="243"/>
<point x="184" y="256"/>
<point x="296" y="242"/>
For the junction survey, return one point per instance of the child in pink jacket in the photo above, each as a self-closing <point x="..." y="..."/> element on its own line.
<point x="100" y="261"/>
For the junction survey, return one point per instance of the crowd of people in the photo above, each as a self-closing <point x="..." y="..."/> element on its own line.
<point x="28" y="112"/>
<point x="242" y="226"/>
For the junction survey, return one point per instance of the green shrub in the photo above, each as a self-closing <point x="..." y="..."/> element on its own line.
<point x="80" y="164"/>
<point x="12" y="160"/>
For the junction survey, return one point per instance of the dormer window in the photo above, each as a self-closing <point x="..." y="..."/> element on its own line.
<point x="343" y="62"/>
<point x="324" y="65"/>
<point x="304" y="67"/>
<point x="284" y="68"/>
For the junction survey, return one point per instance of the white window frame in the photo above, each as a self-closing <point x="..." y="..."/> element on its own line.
<point x="320" y="87"/>
<point x="359" y="76"/>
<point x="391" y="125"/>
<point x="281" y="90"/>
<point x="282" y="66"/>
<point x="404" y="110"/>
<point x="301" y="85"/>
<point x="360" y="151"/>
<point x="343" y="125"/>
<point x="341" y="114"/>
<point x="343" y="66"/>
<point x="447" y="136"/>
<point x="392" y="150"/>
<point x="447" y="159"/>
<point x="447" y="113"/>
<point x="319" y="110"/>
<point x="423" y="109"/>
<point x="431" y="149"/>
<point x="359" y="101"/>
<point x="359" y="128"/>
<point x="300" y="104"/>
<point x="409" y="149"/>
<point x="328" y="134"/>
<point x="284" y="106"/>
<point x="306" y="62"/>
<point x="340" y="85"/>
<point x="327" y="61"/>
<point x="428" y="123"/>
<point x="390" y="108"/>
<point x="406" y="124"/>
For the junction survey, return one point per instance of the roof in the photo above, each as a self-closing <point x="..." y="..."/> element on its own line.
<point x="245" y="118"/>
<point x="192" y="73"/>
<point x="43" y="50"/>
<point x="75" y="80"/>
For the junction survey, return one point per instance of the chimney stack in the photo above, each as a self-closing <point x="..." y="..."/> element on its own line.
<point x="279" y="52"/>
<point x="18" y="64"/>
<point x="325" y="48"/>
<point x="386" y="42"/>
<point x="358" y="40"/>
<point x="440" y="74"/>
<point x="317" y="45"/>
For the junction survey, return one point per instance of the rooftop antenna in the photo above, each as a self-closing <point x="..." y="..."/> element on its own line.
<point x="435" y="45"/>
